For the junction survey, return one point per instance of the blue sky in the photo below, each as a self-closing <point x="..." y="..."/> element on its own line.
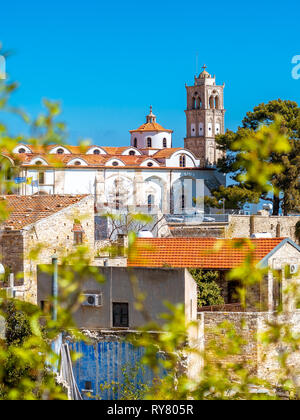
<point x="108" y="61"/>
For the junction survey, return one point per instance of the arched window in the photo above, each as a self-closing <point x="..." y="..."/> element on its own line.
<point x="182" y="161"/>
<point x="96" y="152"/>
<point x="194" y="103"/>
<point x="60" y="151"/>
<point x="132" y="152"/>
<point x="22" y="150"/>
<point x="135" y="142"/>
<point x="217" y="102"/>
<point x="149" y="164"/>
<point x="77" y="163"/>
<point x="115" y="163"/>
<point x="199" y="103"/>
<point x="150" y="202"/>
<point x="149" y="142"/>
<point x="38" y="162"/>
<point x="211" y="102"/>
<point x="164" y="142"/>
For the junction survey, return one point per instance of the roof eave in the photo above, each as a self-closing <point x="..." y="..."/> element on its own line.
<point x="265" y="261"/>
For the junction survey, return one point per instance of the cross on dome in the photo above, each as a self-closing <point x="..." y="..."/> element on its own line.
<point x="204" y="73"/>
<point x="151" y="118"/>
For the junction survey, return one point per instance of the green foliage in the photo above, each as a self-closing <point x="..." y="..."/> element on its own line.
<point x="129" y="387"/>
<point x="17" y="325"/>
<point x="209" y="293"/>
<point x="256" y="154"/>
<point x="23" y="371"/>
<point x="26" y="356"/>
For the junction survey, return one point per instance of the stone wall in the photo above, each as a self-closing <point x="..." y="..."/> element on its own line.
<point x="268" y="366"/>
<point x="240" y="226"/>
<point x="261" y="360"/>
<point x="245" y="325"/>
<point x="205" y="230"/>
<point x="245" y="226"/>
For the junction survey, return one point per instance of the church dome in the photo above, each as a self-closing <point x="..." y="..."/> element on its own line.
<point x="151" y="135"/>
<point x="151" y="124"/>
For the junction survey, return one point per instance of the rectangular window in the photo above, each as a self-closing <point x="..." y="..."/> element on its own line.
<point x="88" y="386"/>
<point x="41" y="178"/>
<point x="120" y="315"/>
<point x="78" y="238"/>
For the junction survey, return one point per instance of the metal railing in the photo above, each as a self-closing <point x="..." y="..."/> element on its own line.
<point x="196" y="218"/>
<point x="227" y="307"/>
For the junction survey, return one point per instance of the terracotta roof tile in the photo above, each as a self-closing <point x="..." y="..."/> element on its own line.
<point x="151" y="127"/>
<point x="206" y="253"/>
<point x="90" y="159"/>
<point x="25" y="210"/>
<point x="166" y="153"/>
<point x="115" y="150"/>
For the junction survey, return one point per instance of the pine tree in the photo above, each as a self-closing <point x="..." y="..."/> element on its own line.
<point x="285" y="192"/>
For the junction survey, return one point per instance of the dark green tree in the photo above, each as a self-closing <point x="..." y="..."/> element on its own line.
<point x="17" y="331"/>
<point x="209" y="293"/>
<point x="285" y="192"/>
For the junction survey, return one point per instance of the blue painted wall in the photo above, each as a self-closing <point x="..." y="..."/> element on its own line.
<point x="102" y="363"/>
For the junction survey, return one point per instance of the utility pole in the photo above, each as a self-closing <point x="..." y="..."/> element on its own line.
<point x="54" y="287"/>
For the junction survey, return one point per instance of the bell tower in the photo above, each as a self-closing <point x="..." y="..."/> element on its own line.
<point x="204" y="118"/>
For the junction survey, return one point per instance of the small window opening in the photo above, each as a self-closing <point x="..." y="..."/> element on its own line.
<point x="120" y="315"/>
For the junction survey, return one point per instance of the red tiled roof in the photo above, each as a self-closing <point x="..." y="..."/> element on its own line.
<point x="151" y="127"/>
<point x="166" y="153"/>
<point x="25" y="210"/>
<point x="206" y="253"/>
<point x="89" y="159"/>
<point x="115" y="151"/>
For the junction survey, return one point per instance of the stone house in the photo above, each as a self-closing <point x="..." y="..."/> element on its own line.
<point x="55" y="223"/>
<point x="281" y="257"/>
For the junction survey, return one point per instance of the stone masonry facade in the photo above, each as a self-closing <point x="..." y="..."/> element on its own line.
<point x="239" y="226"/>
<point x="262" y="360"/>
<point x="54" y="235"/>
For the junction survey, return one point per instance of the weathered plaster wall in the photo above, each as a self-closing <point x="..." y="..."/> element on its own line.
<point x="158" y="286"/>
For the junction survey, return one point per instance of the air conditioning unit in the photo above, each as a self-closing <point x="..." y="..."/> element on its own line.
<point x="93" y="300"/>
<point x="294" y="268"/>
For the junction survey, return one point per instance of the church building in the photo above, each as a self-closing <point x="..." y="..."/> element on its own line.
<point x="149" y="173"/>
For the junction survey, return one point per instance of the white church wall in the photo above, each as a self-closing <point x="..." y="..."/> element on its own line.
<point x="174" y="160"/>
<point x="156" y="139"/>
<point x="79" y="181"/>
